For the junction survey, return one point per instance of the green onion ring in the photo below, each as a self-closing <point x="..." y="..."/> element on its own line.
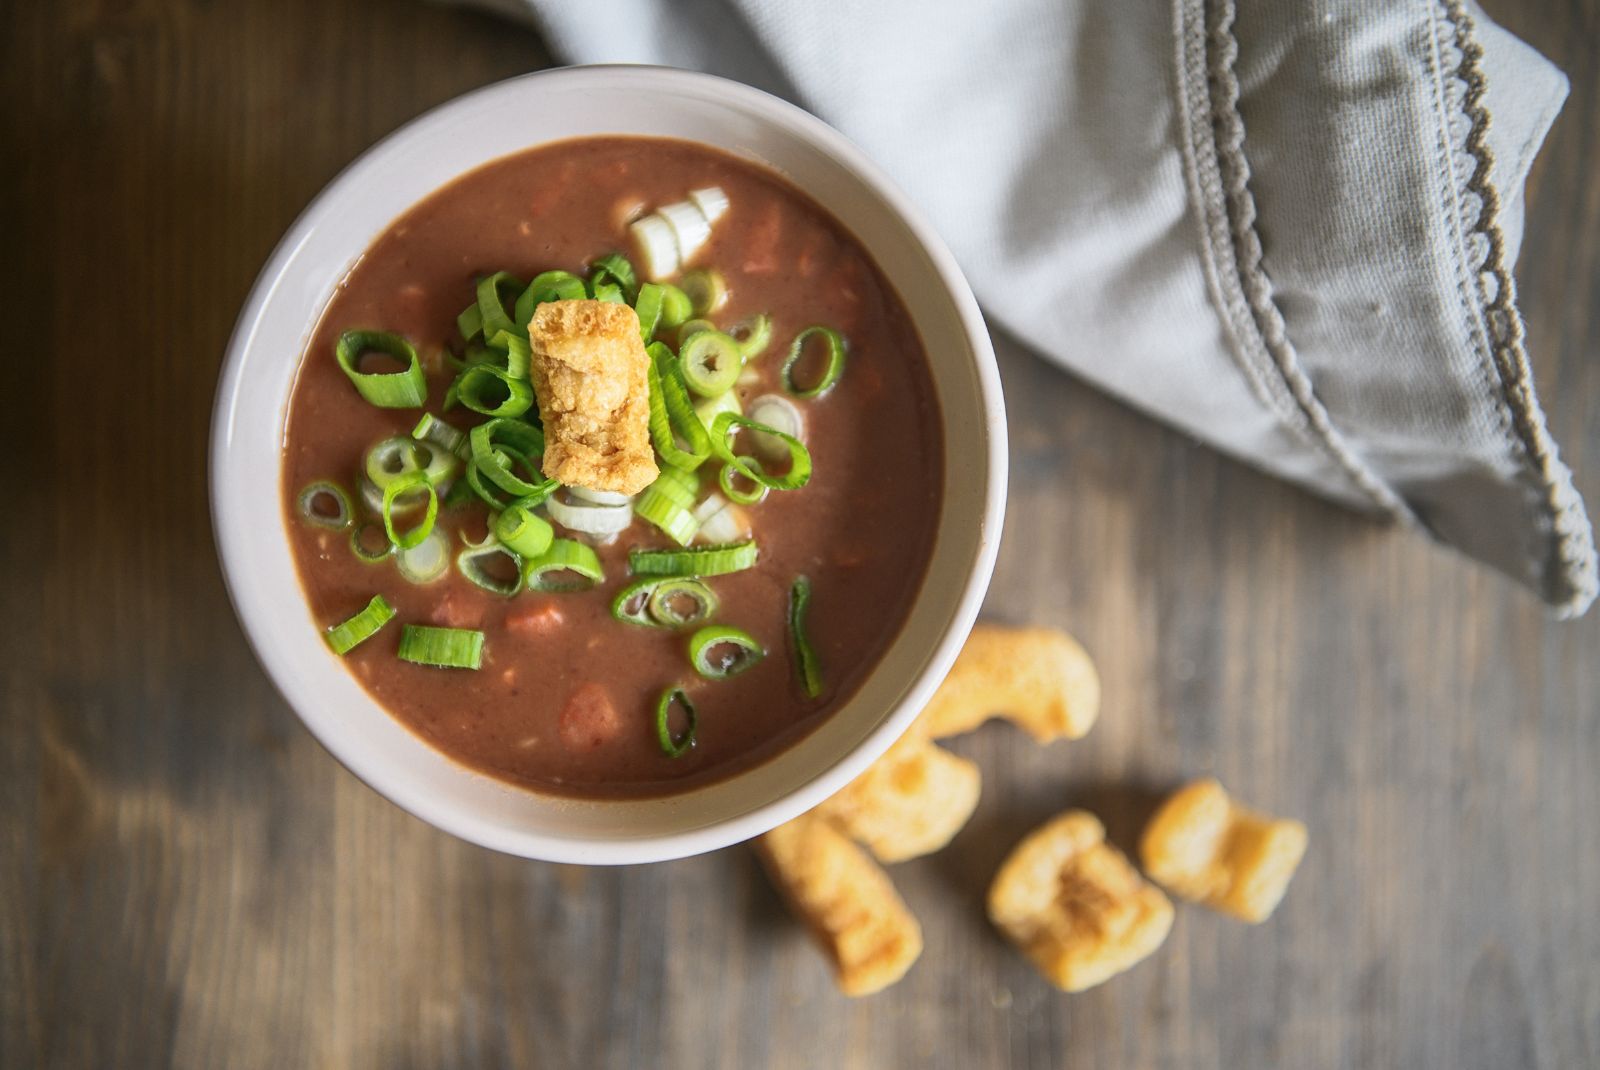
<point x="711" y="362"/>
<point x="703" y="645"/>
<point x="830" y="372"/>
<point x="672" y="413"/>
<point x="632" y="603"/>
<point x="406" y="389"/>
<point x="391" y="459"/>
<point x="695" y="561"/>
<point x="676" y="308"/>
<point x="615" y="269"/>
<point x="495" y="441"/>
<point x="799" y="473"/>
<point x="737" y="494"/>
<point x="446" y="648"/>
<point x="608" y="291"/>
<point x="307" y="504"/>
<point x="805" y="659"/>
<point x="470" y="322"/>
<point x="469" y="563"/>
<point x="707" y="290"/>
<point x="493" y="292"/>
<point x="675" y="746"/>
<point x="664" y="613"/>
<point x="648" y="306"/>
<point x="565" y="555"/>
<point x="674" y="520"/>
<point x="346" y="636"/>
<point x="519" y="354"/>
<point x="426" y="561"/>
<point x="444" y="435"/>
<point x="548" y="286"/>
<point x="358" y="543"/>
<point x="752" y="335"/>
<point x="408" y="482"/>
<point x="470" y="385"/>
<point x="523" y="531"/>
<point x="485" y="491"/>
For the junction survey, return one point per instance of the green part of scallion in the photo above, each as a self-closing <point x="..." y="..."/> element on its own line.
<point x="445" y="648"/>
<point x="805" y="659"/>
<point x="548" y="286"/>
<point x="749" y="493"/>
<point x="616" y="269"/>
<point x="522" y="530"/>
<point x="491" y="390"/>
<point x="411" y="481"/>
<point x="608" y="291"/>
<point x="370" y="543"/>
<point x="707" y="290"/>
<point x="831" y="369"/>
<point x="568" y="565"/>
<point x="719" y="651"/>
<point x="493" y="293"/>
<point x="648" y="306"/>
<point x="672" y="413"/>
<point x="711" y="362"/>
<point x="470" y="322"/>
<point x="345" y="637"/>
<point x="316" y="498"/>
<point x="477" y="560"/>
<point x="426" y="561"/>
<point x="446" y="436"/>
<point x="519" y="354"/>
<point x="695" y="561"/>
<point x="751" y="468"/>
<point x="666" y="503"/>
<point x="405" y="389"/>
<point x="665" y="602"/>
<point x="498" y="446"/>
<point x="675" y="744"/>
<point x="753" y="335"/>
<point x="676" y="308"/>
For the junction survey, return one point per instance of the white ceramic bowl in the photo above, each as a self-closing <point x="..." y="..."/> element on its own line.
<point x="253" y="395"/>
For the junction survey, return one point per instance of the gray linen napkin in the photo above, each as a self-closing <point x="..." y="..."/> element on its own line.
<point x="1286" y="228"/>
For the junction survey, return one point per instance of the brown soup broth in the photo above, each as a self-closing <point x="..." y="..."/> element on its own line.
<point x="564" y="702"/>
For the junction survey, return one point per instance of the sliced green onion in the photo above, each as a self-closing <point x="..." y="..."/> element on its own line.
<point x="783" y="416"/>
<point x="799" y="472"/>
<point x="711" y="201"/>
<point x="719" y="651"/>
<point x="600" y="497"/>
<point x="461" y="491"/>
<point x="519" y="354"/>
<point x="690" y="227"/>
<point x="664" y="601"/>
<point x="470" y="322"/>
<point x="446" y="436"/>
<point x="392" y="459"/>
<point x="608" y="291"/>
<point x="407" y="389"/>
<point x="648" y="307"/>
<point x="752" y="334"/>
<point x="616" y="269"/>
<point x="708" y="409"/>
<point x="675" y="744"/>
<point x="711" y="362"/>
<point x="691" y="328"/>
<point x="676" y="308"/>
<point x="493" y="293"/>
<point x="473" y="561"/>
<point x="480" y="387"/>
<point x="496" y="444"/>
<point x="370" y="543"/>
<point x="426" y="561"/>
<point x="523" y="531"/>
<point x="406" y="483"/>
<point x="544" y="573"/>
<point x="830" y="371"/>
<point x="695" y="561"/>
<point x="590" y="518"/>
<point x="632" y="604"/>
<point x="721" y="521"/>
<point x="658" y="244"/>
<point x="324" y="490"/>
<point x="805" y="659"/>
<point x="672" y="517"/>
<point x="446" y="648"/>
<point x="548" y="286"/>
<point x="707" y="291"/>
<point x="345" y="637"/>
<point x="672" y="413"/>
<point x="749" y="492"/>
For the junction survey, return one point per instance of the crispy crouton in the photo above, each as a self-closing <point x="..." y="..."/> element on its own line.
<point x="1040" y="679"/>
<point x="846" y="899"/>
<point x="589" y="370"/>
<point x="909" y="803"/>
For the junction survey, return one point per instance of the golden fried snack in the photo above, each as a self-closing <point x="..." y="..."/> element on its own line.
<point x="1075" y="905"/>
<point x="590" y="372"/>
<point x="1203" y="846"/>
<point x="847" y="901"/>
<point x="1040" y="679"/>
<point x="910" y="802"/>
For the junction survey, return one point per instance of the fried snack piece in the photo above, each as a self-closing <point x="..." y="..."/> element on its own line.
<point x="1040" y="679"/>
<point x="590" y="372"/>
<point x="1075" y="905"/>
<point x="847" y="901"/>
<point x="908" y="803"/>
<point x="1203" y="846"/>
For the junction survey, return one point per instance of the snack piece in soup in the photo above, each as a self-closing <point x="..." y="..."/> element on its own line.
<point x="1204" y="847"/>
<point x="847" y="901"/>
<point x="590" y="373"/>
<point x="1075" y="905"/>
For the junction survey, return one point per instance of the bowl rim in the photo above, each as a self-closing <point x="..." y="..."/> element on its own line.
<point x="752" y="821"/>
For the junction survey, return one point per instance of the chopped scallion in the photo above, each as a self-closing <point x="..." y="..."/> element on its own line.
<point x="326" y="504"/>
<point x="805" y="659"/>
<point x="405" y="484"/>
<point x="695" y="561"/>
<point x="567" y="565"/>
<point x="522" y="530"/>
<point x="491" y="565"/>
<point x="751" y="468"/>
<point x="345" y="637"/>
<point x="675" y="744"/>
<point x="404" y="389"/>
<point x="711" y="362"/>
<point x="614" y="268"/>
<point x="447" y="648"/>
<point x="719" y="651"/>
<point x="831" y="369"/>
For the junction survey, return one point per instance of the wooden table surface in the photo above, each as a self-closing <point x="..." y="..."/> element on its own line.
<point x="187" y="879"/>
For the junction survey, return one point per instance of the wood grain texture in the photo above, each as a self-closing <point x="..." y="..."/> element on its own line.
<point x="187" y="879"/>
